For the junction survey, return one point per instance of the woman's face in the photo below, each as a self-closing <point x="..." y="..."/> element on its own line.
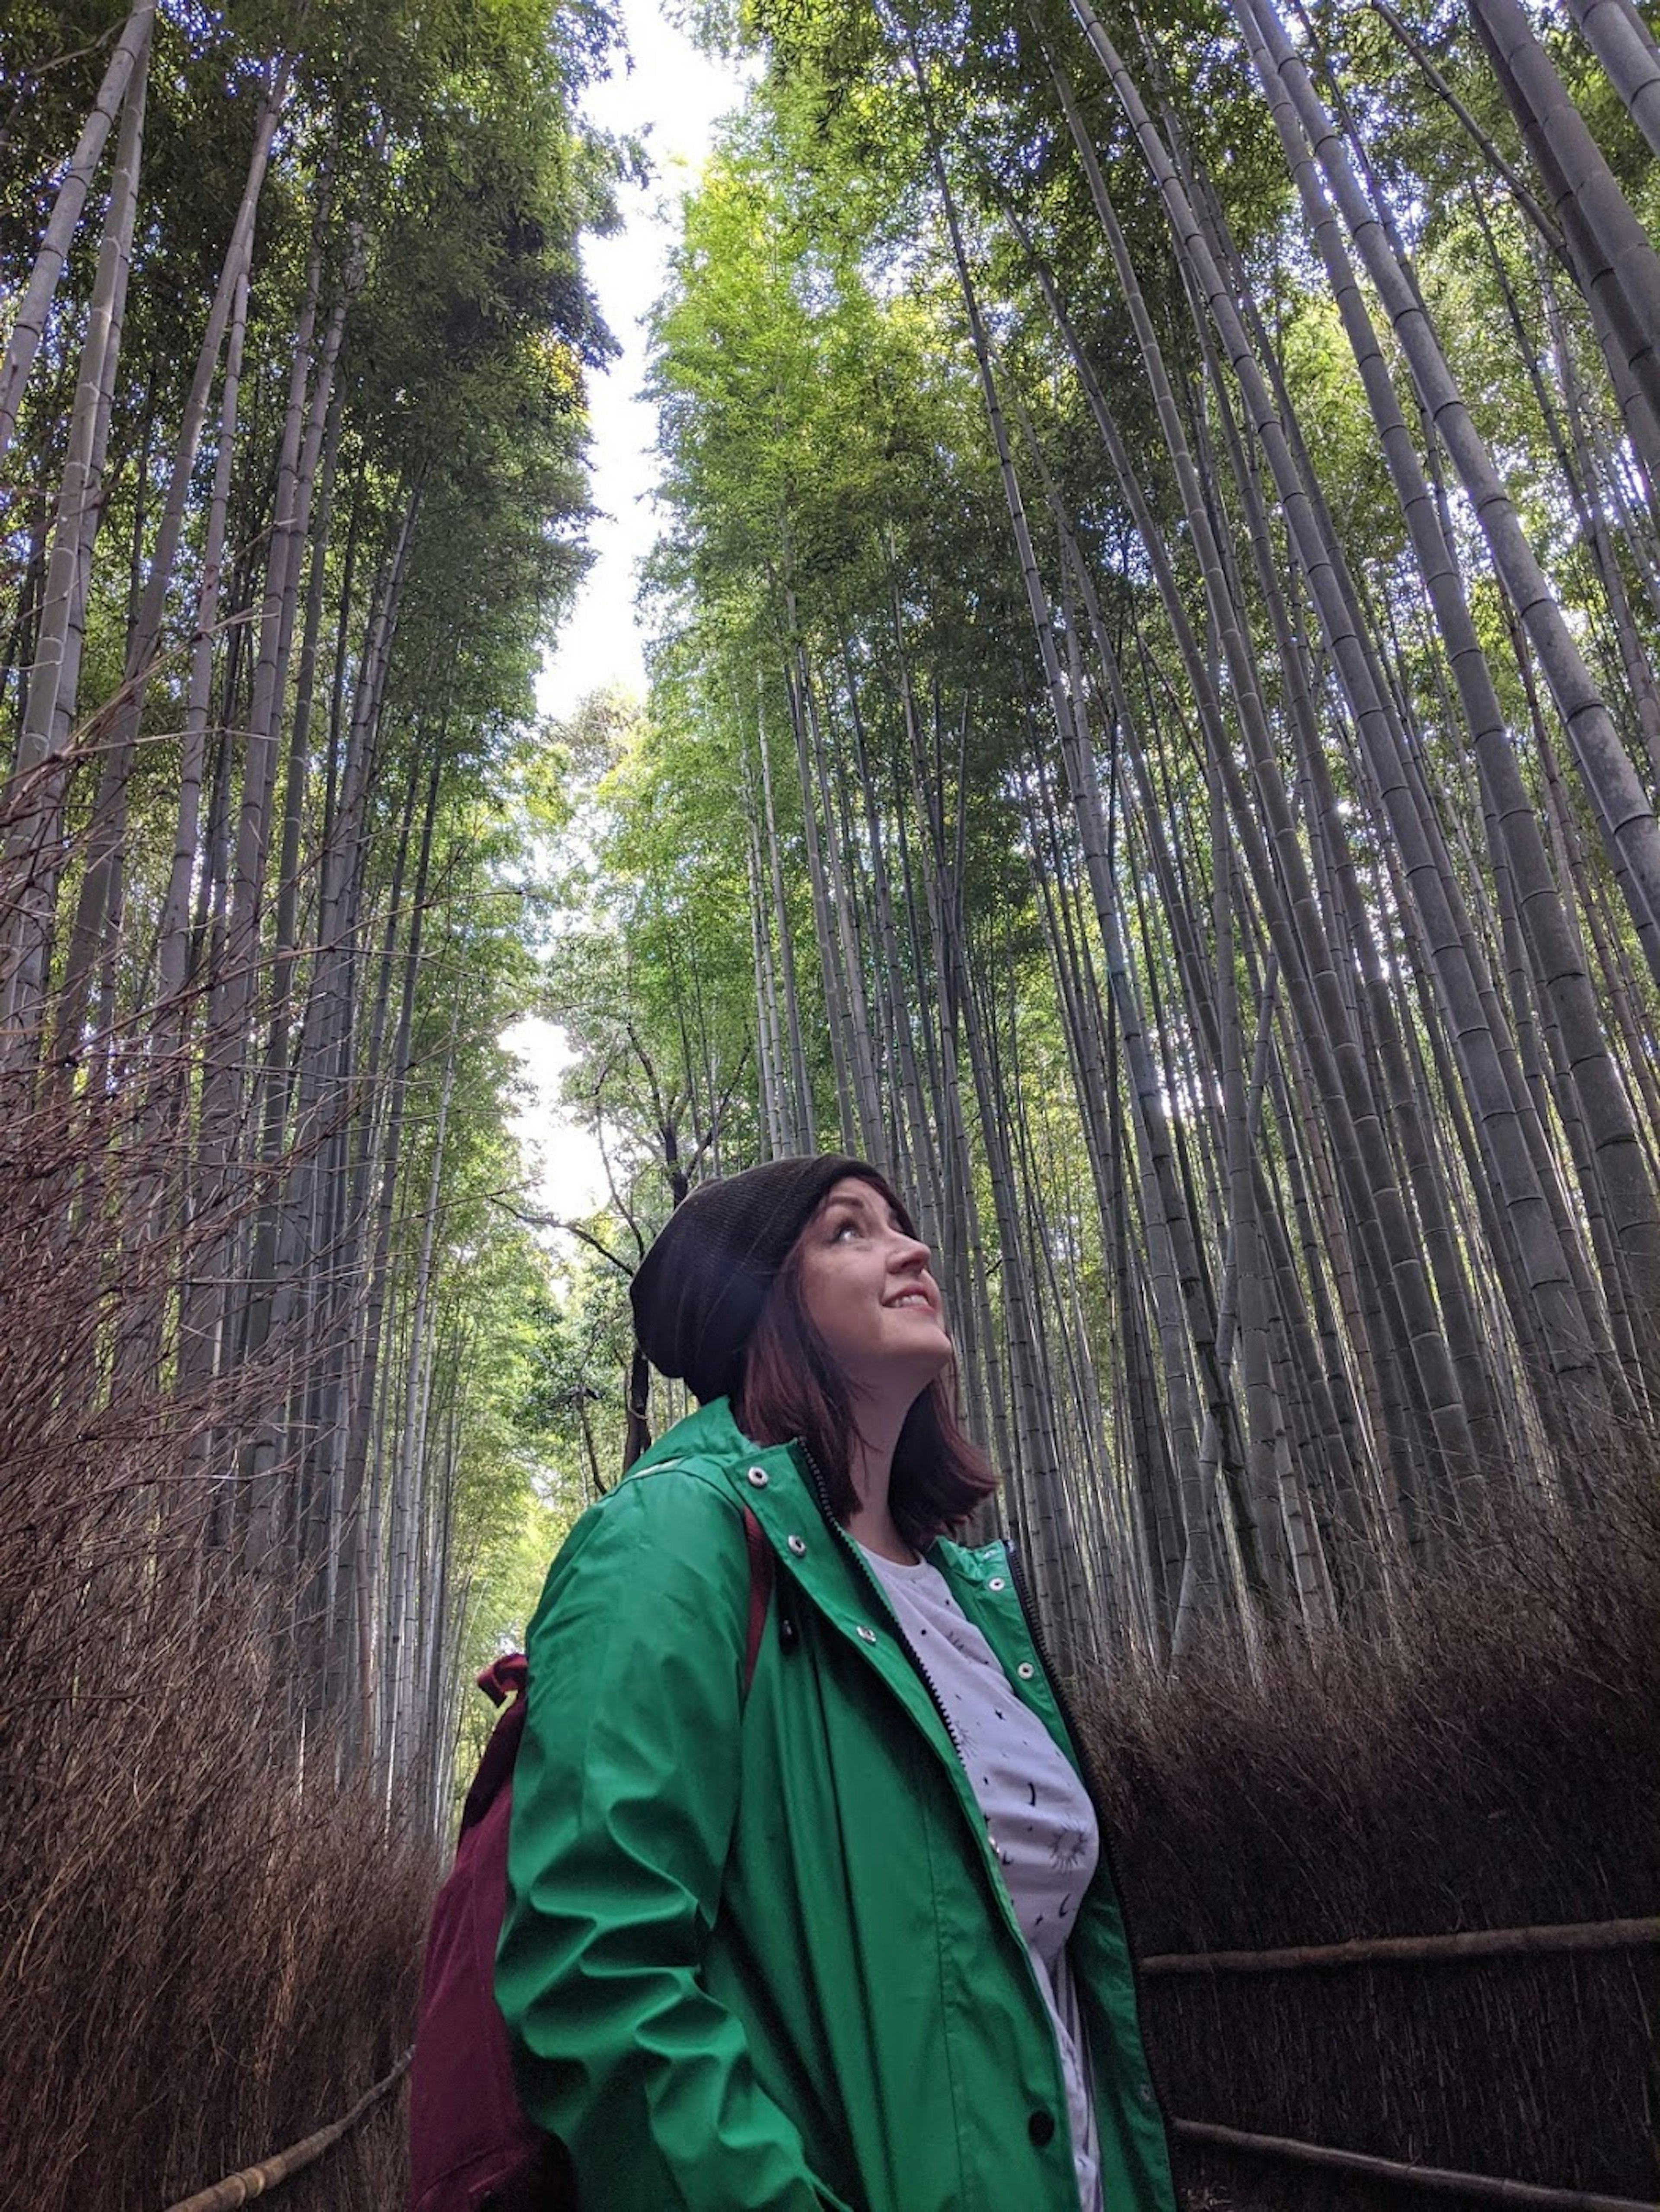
<point x="866" y="1284"/>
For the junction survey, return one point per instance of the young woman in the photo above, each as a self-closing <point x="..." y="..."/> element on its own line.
<point x="843" y="1939"/>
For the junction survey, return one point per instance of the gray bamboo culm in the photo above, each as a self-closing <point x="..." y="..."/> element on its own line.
<point x="271" y="2172"/>
<point x="1474" y="1943"/>
<point x="1435" y="2177"/>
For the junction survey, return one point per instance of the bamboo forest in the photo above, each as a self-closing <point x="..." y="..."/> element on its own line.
<point x="1151" y="736"/>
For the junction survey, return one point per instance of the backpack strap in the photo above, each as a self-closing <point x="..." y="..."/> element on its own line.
<point x="761" y="1575"/>
<point x="502" y="1682"/>
<point x="503" y="1678"/>
<point x="506" y="1680"/>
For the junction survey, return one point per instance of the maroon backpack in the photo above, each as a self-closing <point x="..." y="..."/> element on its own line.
<point x="472" y="2149"/>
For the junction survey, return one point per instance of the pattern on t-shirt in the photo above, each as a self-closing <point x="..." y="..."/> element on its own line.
<point x="1038" y="1817"/>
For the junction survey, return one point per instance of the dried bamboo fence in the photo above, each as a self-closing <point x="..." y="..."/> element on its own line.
<point x="1494" y="1767"/>
<point x="240" y="2188"/>
<point x="1481" y="1795"/>
<point x="1411" y="1950"/>
<point x="1560" y="1940"/>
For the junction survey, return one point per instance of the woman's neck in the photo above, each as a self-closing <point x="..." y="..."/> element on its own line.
<point x="870" y="1471"/>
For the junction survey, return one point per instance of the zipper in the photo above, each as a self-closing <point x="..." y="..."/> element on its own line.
<point x="994" y="1865"/>
<point x="821" y="1491"/>
<point x="1092" y="1790"/>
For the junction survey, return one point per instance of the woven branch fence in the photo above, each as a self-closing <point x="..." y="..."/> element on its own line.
<point x="238" y="2189"/>
<point x="1494" y="1770"/>
<point x="255" y="2180"/>
<point x="1411" y="1950"/>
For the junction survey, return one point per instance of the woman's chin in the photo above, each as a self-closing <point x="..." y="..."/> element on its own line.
<point x="901" y="1372"/>
<point x="933" y="1351"/>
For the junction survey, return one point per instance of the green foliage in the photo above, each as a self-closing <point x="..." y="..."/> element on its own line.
<point x="430" y="165"/>
<point x="838" y="600"/>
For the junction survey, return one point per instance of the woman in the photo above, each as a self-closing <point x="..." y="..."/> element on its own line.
<point x="843" y="1939"/>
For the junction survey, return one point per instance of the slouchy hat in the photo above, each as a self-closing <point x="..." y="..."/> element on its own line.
<point x="698" y="1292"/>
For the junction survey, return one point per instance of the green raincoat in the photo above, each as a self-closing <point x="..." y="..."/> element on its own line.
<point x="758" y="1953"/>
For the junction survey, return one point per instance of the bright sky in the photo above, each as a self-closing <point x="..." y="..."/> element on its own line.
<point x="671" y="97"/>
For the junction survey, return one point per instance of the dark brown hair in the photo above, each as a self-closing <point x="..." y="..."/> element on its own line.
<point x="792" y="1389"/>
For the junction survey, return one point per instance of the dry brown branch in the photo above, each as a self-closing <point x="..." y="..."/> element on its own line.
<point x="254" y="2180"/>
<point x="1434" y="2178"/>
<point x="1474" y="1943"/>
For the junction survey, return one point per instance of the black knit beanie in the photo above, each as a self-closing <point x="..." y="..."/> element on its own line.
<point x="698" y="1292"/>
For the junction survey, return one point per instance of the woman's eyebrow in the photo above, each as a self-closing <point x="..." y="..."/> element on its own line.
<point x="863" y="1208"/>
<point x="855" y="1203"/>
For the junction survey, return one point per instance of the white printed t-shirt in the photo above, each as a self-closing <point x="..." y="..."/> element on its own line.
<point x="1038" y="1816"/>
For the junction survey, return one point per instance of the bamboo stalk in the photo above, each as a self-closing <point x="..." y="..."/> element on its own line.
<point x="27" y="330"/>
<point x="1622" y="44"/>
<point x="271" y="2172"/>
<point x="1412" y="2177"/>
<point x="1475" y="1943"/>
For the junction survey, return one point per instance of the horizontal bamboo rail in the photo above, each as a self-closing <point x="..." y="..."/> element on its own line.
<point x="1413" y="2176"/>
<point x="254" y="2180"/>
<point x="1478" y="1943"/>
